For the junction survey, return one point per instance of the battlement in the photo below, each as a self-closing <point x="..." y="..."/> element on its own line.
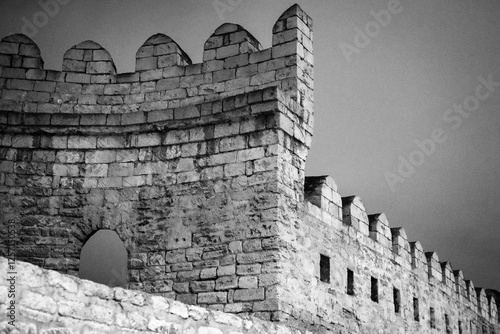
<point x="233" y="63"/>
<point x="366" y="245"/>
<point x="200" y="171"/>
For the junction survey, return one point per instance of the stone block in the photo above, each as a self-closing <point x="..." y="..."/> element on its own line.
<point x="6" y="167"/>
<point x="70" y="65"/>
<point x="100" y="67"/>
<point x="208" y="273"/>
<point x="248" y="282"/>
<point x="69" y="157"/>
<point x="248" y="269"/>
<point x="16" y="95"/>
<point x="109" y="182"/>
<point x="9" y="48"/>
<point x="78" y="77"/>
<point x="176" y="137"/>
<point x="93" y="89"/>
<point x="167" y="84"/>
<point x="226" y="282"/>
<point x="227" y="51"/>
<point x="121" y="169"/>
<point x="265" y="164"/>
<point x="263" y="78"/>
<point x="252" y="245"/>
<point x="36" y="74"/>
<point x="130" y="155"/>
<point x="249" y="294"/>
<point x="235" y="169"/>
<point x="96" y="170"/>
<point x="134" y="181"/>
<point x="224" y="75"/>
<point x="38" y="97"/>
<point x="186" y="112"/>
<point x="55" y="76"/>
<point x="226" y="129"/>
<point x="202" y="286"/>
<point x="232" y="143"/>
<point x="22" y="141"/>
<point x="111" y="142"/>
<point x="111" y="99"/>
<point x="6" y="61"/>
<point x="251" y="154"/>
<point x="21" y="84"/>
<point x="98" y="157"/>
<point x="117" y="89"/>
<point x="68" y="88"/>
<point x="235" y="84"/>
<point x="82" y="142"/>
<point x="260" y="56"/>
<point x="212" y="173"/>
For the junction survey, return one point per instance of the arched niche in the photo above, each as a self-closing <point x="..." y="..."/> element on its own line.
<point x="103" y="259"/>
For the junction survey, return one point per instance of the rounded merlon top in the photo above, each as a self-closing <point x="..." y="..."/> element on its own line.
<point x="18" y="38"/>
<point x="158" y="39"/>
<point x="88" y="57"/>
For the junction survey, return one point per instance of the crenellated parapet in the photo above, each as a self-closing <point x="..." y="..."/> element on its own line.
<point x="364" y="248"/>
<point x="233" y="63"/>
<point x="418" y="275"/>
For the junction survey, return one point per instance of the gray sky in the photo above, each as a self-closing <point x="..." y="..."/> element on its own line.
<point x="377" y="94"/>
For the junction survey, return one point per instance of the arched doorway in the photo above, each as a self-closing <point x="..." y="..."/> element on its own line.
<point x="104" y="259"/>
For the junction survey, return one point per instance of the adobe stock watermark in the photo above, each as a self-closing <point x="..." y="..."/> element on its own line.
<point x="223" y="6"/>
<point x="363" y="38"/>
<point x="39" y="19"/>
<point x="455" y="116"/>
<point x="11" y="274"/>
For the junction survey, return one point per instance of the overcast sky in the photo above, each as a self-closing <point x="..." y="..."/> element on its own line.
<point x="381" y="91"/>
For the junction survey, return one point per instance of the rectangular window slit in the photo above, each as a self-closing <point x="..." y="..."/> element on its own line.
<point x="374" y="289"/>
<point x="432" y="318"/>
<point x="416" y="311"/>
<point x="447" y="323"/>
<point x="324" y="268"/>
<point x="397" y="300"/>
<point x="350" y="282"/>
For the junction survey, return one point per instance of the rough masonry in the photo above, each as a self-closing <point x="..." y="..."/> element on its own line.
<point x="199" y="169"/>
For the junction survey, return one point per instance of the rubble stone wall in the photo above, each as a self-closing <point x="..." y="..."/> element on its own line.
<point x="50" y="302"/>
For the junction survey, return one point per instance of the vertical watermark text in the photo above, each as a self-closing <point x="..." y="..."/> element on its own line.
<point x="11" y="274"/>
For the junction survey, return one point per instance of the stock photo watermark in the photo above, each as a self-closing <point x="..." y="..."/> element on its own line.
<point x="39" y="19"/>
<point x="363" y="37"/>
<point x="11" y="274"/>
<point x="455" y="116"/>
<point x="223" y="6"/>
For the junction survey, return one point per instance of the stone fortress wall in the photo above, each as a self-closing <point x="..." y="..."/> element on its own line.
<point x="200" y="170"/>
